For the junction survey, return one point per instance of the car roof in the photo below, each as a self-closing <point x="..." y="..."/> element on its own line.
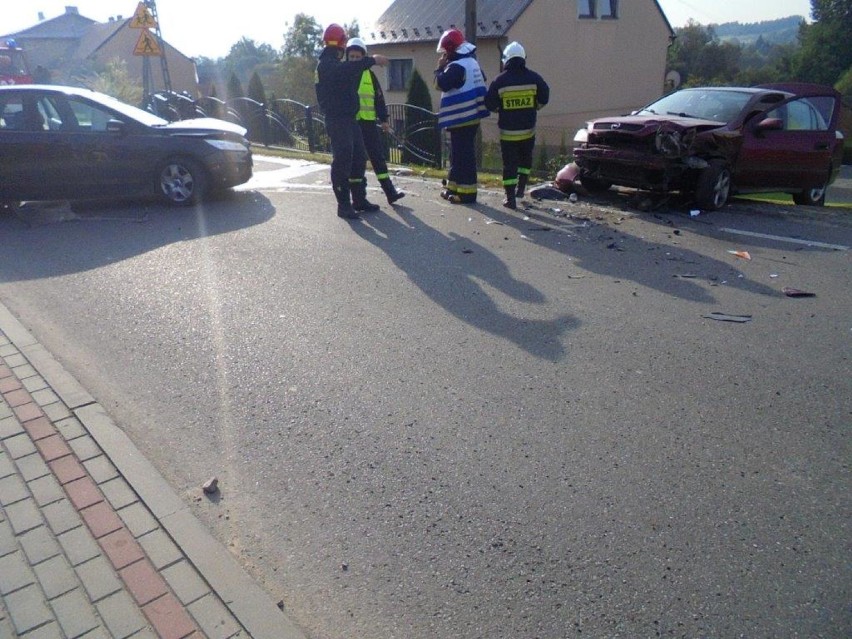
<point x="56" y="88"/>
<point x="753" y="90"/>
<point x="801" y="89"/>
<point x="804" y="89"/>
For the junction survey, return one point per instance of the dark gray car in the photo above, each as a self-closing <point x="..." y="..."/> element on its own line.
<point x="69" y="143"/>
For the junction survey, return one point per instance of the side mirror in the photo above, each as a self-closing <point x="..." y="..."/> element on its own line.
<point x="769" y="124"/>
<point x="115" y="126"/>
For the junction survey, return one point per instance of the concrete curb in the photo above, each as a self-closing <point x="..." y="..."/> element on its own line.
<point x="244" y="598"/>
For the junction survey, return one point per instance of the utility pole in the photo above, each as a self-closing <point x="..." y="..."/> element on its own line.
<point x="164" y="64"/>
<point x="470" y="21"/>
<point x="149" y="45"/>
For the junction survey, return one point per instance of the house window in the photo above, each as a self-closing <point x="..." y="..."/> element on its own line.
<point x="399" y="74"/>
<point x="603" y="9"/>
<point x="608" y="9"/>
<point x="586" y="8"/>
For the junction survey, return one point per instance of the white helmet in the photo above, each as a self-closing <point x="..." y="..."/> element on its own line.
<point x="513" y="50"/>
<point x="356" y="43"/>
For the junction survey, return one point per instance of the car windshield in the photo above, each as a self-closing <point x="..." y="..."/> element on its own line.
<point x="718" y="105"/>
<point x="130" y="111"/>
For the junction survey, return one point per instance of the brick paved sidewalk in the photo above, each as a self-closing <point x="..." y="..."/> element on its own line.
<point x="93" y="543"/>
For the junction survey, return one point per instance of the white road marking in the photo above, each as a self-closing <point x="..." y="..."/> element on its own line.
<point x="781" y="238"/>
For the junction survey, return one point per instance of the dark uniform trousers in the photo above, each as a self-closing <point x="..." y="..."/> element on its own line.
<point x="375" y="149"/>
<point x="462" y="174"/>
<point x="517" y="160"/>
<point x="348" y="156"/>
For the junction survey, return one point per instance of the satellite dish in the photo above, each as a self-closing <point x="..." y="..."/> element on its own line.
<point x="673" y="79"/>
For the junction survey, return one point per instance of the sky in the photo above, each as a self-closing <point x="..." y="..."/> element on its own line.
<point x="210" y="27"/>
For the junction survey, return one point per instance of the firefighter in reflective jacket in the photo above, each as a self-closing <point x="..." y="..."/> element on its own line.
<point x="462" y="83"/>
<point x="516" y="95"/>
<point x="373" y="111"/>
<point x="336" y="84"/>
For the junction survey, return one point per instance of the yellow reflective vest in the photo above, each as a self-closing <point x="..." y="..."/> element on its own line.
<point x="366" y="98"/>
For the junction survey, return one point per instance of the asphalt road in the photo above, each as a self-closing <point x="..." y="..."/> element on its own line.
<point x="465" y="422"/>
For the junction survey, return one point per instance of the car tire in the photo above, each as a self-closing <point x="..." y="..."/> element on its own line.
<point x="714" y="186"/>
<point x="593" y="185"/>
<point x="811" y="197"/>
<point x="182" y="182"/>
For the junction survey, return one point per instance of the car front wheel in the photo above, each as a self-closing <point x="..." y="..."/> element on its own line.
<point x="182" y="182"/>
<point x="811" y="197"/>
<point x="714" y="186"/>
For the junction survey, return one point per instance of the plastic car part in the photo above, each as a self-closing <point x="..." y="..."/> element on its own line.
<point x="714" y="186"/>
<point x="182" y="182"/>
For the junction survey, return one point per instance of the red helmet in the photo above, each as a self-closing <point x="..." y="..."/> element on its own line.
<point x="450" y="40"/>
<point x="334" y="36"/>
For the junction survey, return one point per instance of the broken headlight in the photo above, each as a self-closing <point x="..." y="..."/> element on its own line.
<point x="669" y="143"/>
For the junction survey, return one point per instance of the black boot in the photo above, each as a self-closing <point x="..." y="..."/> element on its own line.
<point x="359" y="198"/>
<point x="522" y="184"/>
<point x="510" y="202"/>
<point x="347" y="212"/>
<point x="344" y="207"/>
<point x="390" y="190"/>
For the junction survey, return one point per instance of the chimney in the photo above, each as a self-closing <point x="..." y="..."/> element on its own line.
<point x="41" y="16"/>
<point x="71" y="10"/>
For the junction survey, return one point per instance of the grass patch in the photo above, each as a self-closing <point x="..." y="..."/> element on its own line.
<point x="784" y="198"/>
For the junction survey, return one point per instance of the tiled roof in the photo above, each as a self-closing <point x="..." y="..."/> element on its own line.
<point x="68" y="25"/>
<point x="425" y="20"/>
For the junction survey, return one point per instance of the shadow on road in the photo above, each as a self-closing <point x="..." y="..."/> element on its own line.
<point x="606" y="250"/>
<point x="449" y="269"/>
<point x="50" y="239"/>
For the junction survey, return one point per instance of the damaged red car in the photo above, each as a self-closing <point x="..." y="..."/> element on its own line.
<point x="713" y="142"/>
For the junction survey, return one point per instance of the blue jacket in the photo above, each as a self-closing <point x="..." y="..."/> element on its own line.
<point x="462" y="83"/>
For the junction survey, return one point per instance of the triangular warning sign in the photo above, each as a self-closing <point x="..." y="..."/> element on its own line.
<point x="142" y="18"/>
<point x="147" y="45"/>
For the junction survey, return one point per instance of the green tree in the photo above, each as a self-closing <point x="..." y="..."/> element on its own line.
<point x="420" y="136"/>
<point x="717" y="63"/>
<point x="353" y="29"/>
<point x="844" y="85"/>
<point x="254" y="116"/>
<point x="303" y="39"/>
<point x="235" y="88"/>
<point x="113" y="79"/>
<point x="246" y="56"/>
<point x="297" y="75"/>
<point x="255" y="89"/>
<point x="825" y="54"/>
<point x="418" y="93"/>
<point x="690" y="41"/>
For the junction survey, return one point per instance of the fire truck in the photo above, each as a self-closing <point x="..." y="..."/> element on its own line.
<point x="13" y="64"/>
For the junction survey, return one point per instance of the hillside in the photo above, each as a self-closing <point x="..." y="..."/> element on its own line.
<point x="780" y="31"/>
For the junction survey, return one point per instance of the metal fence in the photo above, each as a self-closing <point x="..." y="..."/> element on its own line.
<point x="414" y="137"/>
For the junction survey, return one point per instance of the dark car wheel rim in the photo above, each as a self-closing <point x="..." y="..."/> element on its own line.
<point x="816" y="194"/>
<point x="177" y="183"/>
<point x="722" y="188"/>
